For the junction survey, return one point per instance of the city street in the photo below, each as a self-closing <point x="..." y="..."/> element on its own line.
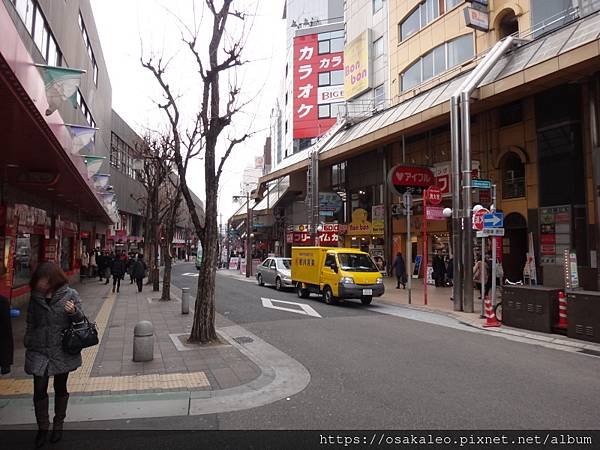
<point x="371" y="370"/>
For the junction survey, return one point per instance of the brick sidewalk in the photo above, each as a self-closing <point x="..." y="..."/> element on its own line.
<point x="108" y="367"/>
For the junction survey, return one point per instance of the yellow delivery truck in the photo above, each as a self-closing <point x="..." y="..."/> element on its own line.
<point x="335" y="273"/>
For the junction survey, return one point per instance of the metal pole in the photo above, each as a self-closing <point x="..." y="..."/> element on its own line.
<point x="425" y="250"/>
<point x="408" y="262"/>
<point x="248" y="230"/>
<point x="467" y="204"/>
<point x="483" y="280"/>
<point x="494" y="245"/>
<point x="456" y="215"/>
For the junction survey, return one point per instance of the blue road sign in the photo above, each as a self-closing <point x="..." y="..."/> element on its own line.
<point x="493" y="220"/>
<point x="478" y="183"/>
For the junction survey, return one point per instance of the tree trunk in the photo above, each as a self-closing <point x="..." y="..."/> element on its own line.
<point x="203" y="329"/>
<point x="166" y="287"/>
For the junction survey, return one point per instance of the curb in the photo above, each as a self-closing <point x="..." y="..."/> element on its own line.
<point x="542" y="339"/>
<point x="281" y="377"/>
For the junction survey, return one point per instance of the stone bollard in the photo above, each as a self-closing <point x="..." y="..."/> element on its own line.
<point x="143" y="341"/>
<point x="185" y="300"/>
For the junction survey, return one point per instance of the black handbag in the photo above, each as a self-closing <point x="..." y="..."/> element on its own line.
<point x="79" y="335"/>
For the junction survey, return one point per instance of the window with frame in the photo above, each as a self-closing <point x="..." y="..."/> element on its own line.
<point x="330" y="260"/>
<point x="377" y="5"/>
<point x="425" y="13"/>
<point x="378" y="48"/>
<point x="85" y="110"/>
<point x="331" y="110"/>
<point x="333" y="78"/>
<point x="88" y="45"/>
<point x="513" y="177"/>
<point x="331" y="42"/>
<point x="437" y="61"/>
<point x="35" y="22"/>
<point x="451" y="4"/>
<point x="379" y="95"/>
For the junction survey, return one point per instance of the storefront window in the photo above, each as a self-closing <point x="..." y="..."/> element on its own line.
<point x="27" y="250"/>
<point x="66" y="252"/>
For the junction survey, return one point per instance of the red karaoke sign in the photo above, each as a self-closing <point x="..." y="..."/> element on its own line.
<point x="402" y="177"/>
<point x="478" y="219"/>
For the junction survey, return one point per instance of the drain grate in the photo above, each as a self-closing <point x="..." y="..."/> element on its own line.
<point x="243" y="340"/>
<point x="590" y="352"/>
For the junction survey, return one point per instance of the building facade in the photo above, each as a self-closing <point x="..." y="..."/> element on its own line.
<point x="534" y="133"/>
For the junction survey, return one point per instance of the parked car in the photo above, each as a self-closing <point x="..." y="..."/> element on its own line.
<point x="336" y="273"/>
<point x="276" y="271"/>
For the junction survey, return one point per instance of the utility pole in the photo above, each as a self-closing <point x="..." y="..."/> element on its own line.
<point x="248" y="235"/>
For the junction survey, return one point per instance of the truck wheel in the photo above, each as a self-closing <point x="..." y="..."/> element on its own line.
<point x="328" y="296"/>
<point x="260" y="280"/>
<point x="302" y="293"/>
<point x="278" y="283"/>
<point x="366" y="300"/>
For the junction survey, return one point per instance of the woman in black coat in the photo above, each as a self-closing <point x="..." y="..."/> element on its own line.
<point x="52" y="308"/>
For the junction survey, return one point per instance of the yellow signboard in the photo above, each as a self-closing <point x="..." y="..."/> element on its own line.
<point x="356" y="65"/>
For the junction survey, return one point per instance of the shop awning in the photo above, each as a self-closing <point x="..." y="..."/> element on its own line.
<point x="33" y="156"/>
<point x="274" y="194"/>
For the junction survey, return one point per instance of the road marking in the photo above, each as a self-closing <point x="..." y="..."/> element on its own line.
<point x="190" y="274"/>
<point x="305" y="310"/>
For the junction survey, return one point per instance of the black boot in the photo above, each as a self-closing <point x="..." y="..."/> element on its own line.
<point x="43" y="421"/>
<point x="60" y="412"/>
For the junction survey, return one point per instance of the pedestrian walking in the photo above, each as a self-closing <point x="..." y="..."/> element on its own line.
<point x="130" y="263"/>
<point x="139" y="271"/>
<point x="52" y="308"/>
<point x="6" y="337"/>
<point x="439" y="270"/>
<point x="103" y="262"/>
<point x="117" y="270"/>
<point x="400" y="268"/>
<point x="450" y="272"/>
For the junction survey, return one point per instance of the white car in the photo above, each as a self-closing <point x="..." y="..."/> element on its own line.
<point x="275" y="271"/>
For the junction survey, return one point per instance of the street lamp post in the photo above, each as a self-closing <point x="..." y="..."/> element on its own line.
<point x="248" y="231"/>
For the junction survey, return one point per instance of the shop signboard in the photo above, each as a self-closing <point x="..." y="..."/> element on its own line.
<point x="308" y="63"/>
<point x="477" y="19"/>
<point x="417" y="267"/>
<point x="233" y="263"/>
<point x="378" y="219"/>
<point x="435" y="213"/>
<point x="442" y="173"/>
<point x="329" y="203"/>
<point x="555" y="233"/>
<point x="434" y="195"/>
<point x="357" y="68"/>
<point x="402" y="177"/>
<point x="359" y="225"/>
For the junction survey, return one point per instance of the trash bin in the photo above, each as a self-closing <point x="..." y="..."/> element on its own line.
<point x="530" y="307"/>
<point x="583" y="315"/>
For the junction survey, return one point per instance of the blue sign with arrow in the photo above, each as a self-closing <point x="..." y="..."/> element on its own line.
<point x="493" y="220"/>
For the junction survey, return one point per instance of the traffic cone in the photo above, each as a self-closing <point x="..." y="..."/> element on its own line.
<point x="490" y="317"/>
<point x="562" y="311"/>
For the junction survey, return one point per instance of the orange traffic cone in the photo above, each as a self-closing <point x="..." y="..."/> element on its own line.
<point x="562" y="311"/>
<point x="490" y="317"/>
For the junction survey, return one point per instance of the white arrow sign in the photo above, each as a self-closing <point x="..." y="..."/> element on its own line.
<point x="189" y="274"/>
<point x="304" y="309"/>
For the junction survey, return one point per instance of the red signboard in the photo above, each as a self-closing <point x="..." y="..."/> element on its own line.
<point x="434" y="213"/>
<point x="402" y="177"/>
<point x="434" y="195"/>
<point x="308" y="63"/>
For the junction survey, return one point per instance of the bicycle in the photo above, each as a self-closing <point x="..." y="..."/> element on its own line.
<point x="498" y="306"/>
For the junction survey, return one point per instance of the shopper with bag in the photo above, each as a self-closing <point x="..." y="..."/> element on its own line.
<point x="53" y="308"/>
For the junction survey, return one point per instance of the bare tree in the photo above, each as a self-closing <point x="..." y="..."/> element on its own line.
<point x="214" y="57"/>
<point x="161" y="204"/>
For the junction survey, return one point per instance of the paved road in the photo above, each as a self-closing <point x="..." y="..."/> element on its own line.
<point x="372" y="370"/>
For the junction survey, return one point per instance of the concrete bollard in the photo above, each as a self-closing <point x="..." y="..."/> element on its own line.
<point x="185" y="300"/>
<point x="143" y="341"/>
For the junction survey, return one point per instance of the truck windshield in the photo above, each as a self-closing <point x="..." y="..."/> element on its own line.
<point x="284" y="263"/>
<point x="355" y="262"/>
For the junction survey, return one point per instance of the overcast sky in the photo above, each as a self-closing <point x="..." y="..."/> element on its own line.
<point x="129" y="28"/>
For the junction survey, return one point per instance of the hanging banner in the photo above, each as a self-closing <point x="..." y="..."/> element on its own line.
<point x="61" y="83"/>
<point x="93" y="163"/>
<point x="81" y="137"/>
